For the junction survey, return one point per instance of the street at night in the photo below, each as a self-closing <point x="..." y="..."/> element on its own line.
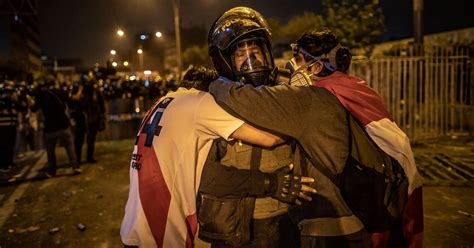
<point x="225" y="124"/>
<point x="41" y="212"/>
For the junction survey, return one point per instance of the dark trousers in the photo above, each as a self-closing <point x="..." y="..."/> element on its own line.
<point x="26" y="140"/>
<point x="80" y="131"/>
<point x="64" y="138"/>
<point x="91" y="136"/>
<point x="359" y="239"/>
<point x="7" y="145"/>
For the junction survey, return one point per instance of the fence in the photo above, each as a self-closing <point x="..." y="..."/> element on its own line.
<point x="429" y="96"/>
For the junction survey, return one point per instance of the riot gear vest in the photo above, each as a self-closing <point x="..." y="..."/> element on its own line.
<point x="239" y="155"/>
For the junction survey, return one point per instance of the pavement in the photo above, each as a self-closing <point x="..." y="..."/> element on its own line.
<point x="86" y="210"/>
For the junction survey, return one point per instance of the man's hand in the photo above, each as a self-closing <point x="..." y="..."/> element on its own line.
<point x="287" y="187"/>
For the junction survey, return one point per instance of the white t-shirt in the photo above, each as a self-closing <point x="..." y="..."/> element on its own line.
<point x="168" y="157"/>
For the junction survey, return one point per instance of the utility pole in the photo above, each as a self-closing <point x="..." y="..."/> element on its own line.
<point x="418" y="21"/>
<point x="178" y="37"/>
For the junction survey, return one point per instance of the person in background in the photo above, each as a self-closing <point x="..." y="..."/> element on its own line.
<point x="9" y="107"/>
<point x="94" y="108"/>
<point x="52" y="103"/>
<point x="78" y="118"/>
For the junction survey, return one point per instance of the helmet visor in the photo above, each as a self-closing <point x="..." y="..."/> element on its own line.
<point x="250" y="55"/>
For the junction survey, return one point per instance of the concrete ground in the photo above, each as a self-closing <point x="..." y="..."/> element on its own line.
<point x="86" y="210"/>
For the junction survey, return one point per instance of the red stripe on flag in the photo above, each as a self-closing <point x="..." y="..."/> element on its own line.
<point x="364" y="103"/>
<point x="413" y="219"/>
<point x="154" y="194"/>
<point x="410" y="232"/>
<point x="191" y="224"/>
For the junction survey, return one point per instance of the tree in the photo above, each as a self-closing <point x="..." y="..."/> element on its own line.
<point x="357" y="23"/>
<point x="196" y="55"/>
<point x="299" y="24"/>
<point x="275" y="27"/>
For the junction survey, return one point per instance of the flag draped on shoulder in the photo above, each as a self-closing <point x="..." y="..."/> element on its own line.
<point x="369" y="109"/>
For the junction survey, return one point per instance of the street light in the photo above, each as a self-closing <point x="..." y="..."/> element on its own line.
<point x="114" y="64"/>
<point x="140" y="57"/>
<point x="113" y="52"/>
<point x="158" y="34"/>
<point x="120" y="32"/>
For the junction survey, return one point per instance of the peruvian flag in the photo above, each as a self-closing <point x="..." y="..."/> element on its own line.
<point x="368" y="108"/>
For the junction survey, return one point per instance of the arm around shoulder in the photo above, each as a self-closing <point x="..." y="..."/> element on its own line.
<point x="256" y="136"/>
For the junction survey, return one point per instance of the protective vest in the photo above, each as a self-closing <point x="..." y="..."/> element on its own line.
<point x="239" y="155"/>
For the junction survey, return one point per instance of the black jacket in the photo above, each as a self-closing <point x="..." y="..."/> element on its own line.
<point x="53" y="104"/>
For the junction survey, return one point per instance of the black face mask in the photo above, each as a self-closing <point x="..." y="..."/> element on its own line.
<point x="250" y="63"/>
<point x="257" y="78"/>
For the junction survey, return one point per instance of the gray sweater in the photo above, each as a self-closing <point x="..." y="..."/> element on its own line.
<point x="316" y="119"/>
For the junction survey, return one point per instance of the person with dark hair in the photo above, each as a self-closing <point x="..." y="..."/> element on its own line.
<point x="172" y="144"/>
<point x="78" y="118"/>
<point x="330" y="142"/>
<point x="52" y="102"/>
<point x="199" y="78"/>
<point x="330" y="61"/>
<point x="94" y="109"/>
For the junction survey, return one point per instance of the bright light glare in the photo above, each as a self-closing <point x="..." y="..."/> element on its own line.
<point x="120" y="32"/>
<point x="158" y="34"/>
<point x="147" y="72"/>
<point x="114" y="64"/>
<point x="125" y="63"/>
<point x="113" y="52"/>
<point x="139" y="51"/>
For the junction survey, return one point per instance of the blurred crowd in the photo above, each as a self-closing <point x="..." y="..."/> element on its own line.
<point x="52" y="111"/>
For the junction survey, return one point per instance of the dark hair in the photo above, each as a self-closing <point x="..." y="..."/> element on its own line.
<point x="343" y="59"/>
<point x="199" y="77"/>
<point x="320" y="42"/>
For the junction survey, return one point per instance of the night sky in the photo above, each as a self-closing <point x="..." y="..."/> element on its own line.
<point x="86" y="28"/>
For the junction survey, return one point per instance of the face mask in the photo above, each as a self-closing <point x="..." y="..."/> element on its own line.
<point x="329" y="59"/>
<point x="301" y="76"/>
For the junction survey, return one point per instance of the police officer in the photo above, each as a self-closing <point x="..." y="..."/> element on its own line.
<point x="9" y="107"/>
<point x="240" y="50"/>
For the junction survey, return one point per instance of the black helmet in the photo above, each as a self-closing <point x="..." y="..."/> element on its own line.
<point x="240" y="48"/>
